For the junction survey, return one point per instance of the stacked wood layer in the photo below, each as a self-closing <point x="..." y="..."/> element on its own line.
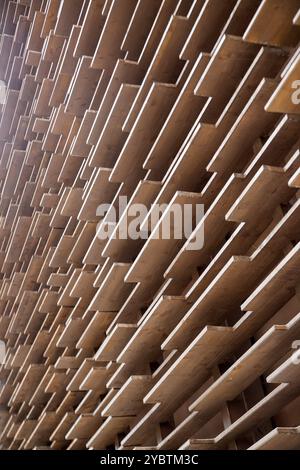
<point x="146" y="344"/>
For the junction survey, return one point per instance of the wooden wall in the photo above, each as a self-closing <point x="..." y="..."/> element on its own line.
<point x="133" y="344"/>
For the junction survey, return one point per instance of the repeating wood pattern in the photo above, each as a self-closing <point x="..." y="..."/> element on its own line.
<point x="134" y="344"/>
